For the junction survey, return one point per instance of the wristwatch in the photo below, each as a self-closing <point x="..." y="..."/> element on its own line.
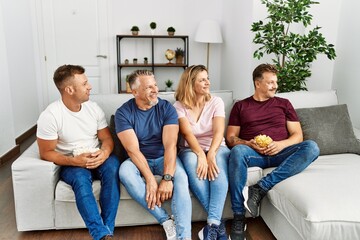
<point x="168" y="177"/>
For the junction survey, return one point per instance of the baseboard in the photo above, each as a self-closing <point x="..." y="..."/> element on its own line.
<point x="12" y="154"/>
<point x="15" y="151"/>
<point x="23" y="137"/>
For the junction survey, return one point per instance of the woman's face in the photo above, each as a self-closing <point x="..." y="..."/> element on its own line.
<point x="202" y="83"/>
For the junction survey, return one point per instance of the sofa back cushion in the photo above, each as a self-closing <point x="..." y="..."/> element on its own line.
<point x="330" y="127"/>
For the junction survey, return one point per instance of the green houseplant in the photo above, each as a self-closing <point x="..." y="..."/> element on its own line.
<point x="168" y="84"/>
<point x="152" y="28"/>
<point x="135" y="30"/>
<point x="171" y="31"/>
<point x="153" y="25"/>
<point x="179" y="55"/>
<point x="293" y="52"/>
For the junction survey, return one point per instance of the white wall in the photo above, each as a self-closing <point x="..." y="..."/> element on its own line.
<point x="346" y="79"/>
<point x="231" y="63"/>
<point x="6" y="114"/>
<point x="238" y="61"/>
<point x="184" y="16"/>
<point x="18" y="71"/>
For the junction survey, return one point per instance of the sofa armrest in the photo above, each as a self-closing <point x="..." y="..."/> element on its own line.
<point x="34" y="182"/>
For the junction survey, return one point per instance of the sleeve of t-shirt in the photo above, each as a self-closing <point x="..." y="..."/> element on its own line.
<point x="122" y="118"/>
<point x="46" y="126"/>
<point x="234" y="118"/>
<point x="180" y="109"/>
<point x="291" y="113"/>
<point x="100" y="116"/>
<point x="219" y="107"/>
<point x="170" y="116"/>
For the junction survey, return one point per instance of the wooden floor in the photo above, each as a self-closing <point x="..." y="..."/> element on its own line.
<point x="256" y="228"/>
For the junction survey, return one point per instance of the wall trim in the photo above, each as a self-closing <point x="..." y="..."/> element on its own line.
<point x="23" y="137"/>
<point x="12" y="154"/>
<point x="15" y="151"/>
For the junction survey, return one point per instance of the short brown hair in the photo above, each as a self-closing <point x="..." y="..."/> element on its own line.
<point x="136" y="74"/>
<point x="65" y="73"/>
<point x="262" y="68"/>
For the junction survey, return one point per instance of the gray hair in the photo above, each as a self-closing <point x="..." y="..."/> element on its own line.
<point x="133" y="78"/>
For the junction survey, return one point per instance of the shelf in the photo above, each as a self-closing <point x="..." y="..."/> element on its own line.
<point x="152" y="65"/>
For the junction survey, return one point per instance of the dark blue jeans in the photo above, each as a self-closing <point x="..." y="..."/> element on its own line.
<point x="80" y="179"/>
<point x="288" y="162"/>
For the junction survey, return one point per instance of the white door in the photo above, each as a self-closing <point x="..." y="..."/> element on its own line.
<point x="75" y="32"/>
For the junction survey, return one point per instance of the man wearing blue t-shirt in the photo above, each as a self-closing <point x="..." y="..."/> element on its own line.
<point x="147" y="126"/>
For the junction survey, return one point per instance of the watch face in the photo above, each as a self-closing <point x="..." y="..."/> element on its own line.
<point x="167" y="177"/>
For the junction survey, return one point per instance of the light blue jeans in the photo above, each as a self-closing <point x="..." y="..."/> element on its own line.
<point x="289" y="161"/>
<point x="211" y="194"/>
<point x="131" y="178"/>
<point x="80" y="179"/>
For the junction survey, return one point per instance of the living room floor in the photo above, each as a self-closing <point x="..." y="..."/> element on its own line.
<point x="256" y="228"/>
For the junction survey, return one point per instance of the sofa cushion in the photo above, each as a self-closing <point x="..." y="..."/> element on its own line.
<point x="330" y="127"/>
<point x="322" y="201"/>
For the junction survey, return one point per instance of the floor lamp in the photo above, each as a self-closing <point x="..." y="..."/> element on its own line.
<point x="208" y="32"/>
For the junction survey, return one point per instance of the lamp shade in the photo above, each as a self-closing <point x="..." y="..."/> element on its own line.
<point x="208" y="32"/>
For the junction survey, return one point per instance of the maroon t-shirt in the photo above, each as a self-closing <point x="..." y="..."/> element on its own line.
<point x="268" y="117"/>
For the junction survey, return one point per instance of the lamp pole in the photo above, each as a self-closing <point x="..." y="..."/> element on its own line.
<point x="207" y="58"/>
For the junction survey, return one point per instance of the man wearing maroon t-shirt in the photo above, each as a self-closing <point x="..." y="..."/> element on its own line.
<point x="265" y="114"/>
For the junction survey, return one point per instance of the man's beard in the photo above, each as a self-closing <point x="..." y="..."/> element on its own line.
<point x="153" y="103"/>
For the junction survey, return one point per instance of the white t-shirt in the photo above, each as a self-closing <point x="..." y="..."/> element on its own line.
<point x="203" y="128"/>
<point x="73" y="130"/>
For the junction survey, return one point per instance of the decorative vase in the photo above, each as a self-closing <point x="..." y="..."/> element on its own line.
<point x="135" y="33"/>
<point x="168" y="89"/>
<point x="152" y="31"/>
<point x="179" y="59"/>
<point x="171" y="33"/>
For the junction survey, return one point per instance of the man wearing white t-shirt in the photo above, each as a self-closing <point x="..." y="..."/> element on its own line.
<point x="72" y="132"/>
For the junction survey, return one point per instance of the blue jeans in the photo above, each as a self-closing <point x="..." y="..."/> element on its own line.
<point x="131" y="178"/>
<point x="211" y="194"/>
<point x="80" y="179"/>
<point x="289" y="161"/>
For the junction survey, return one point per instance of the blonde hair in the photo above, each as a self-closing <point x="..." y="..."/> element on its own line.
<point x="185" y="91"/>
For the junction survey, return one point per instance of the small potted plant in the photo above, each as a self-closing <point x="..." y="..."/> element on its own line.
<point x="168" y="84"/>
<point x="145" y="60"/>
<point x="135" y="61"/>
<point x="152" y="28"/>
<point x="135" y="30"/>
<point x="179" y="55"/>
<point x="126" y="61"/>
<point x="171" y="31"/>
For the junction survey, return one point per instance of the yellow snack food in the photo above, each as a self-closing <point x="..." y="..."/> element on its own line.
<point x="263" y="140"/>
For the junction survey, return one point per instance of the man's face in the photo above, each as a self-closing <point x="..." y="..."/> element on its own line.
<point x="81" y="88"/>
<point x="147" y="92"/>
<point x="267" y="87"/>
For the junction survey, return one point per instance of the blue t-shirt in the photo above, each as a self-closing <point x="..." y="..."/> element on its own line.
<point x="147" y="124"/>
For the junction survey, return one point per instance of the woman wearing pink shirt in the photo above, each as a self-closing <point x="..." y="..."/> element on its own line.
<point x="203" y="151"/>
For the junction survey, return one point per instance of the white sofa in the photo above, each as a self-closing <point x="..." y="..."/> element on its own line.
<point x="319" y="203"/>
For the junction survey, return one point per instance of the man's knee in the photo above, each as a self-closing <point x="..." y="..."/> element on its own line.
<point x="312" y="148"/>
